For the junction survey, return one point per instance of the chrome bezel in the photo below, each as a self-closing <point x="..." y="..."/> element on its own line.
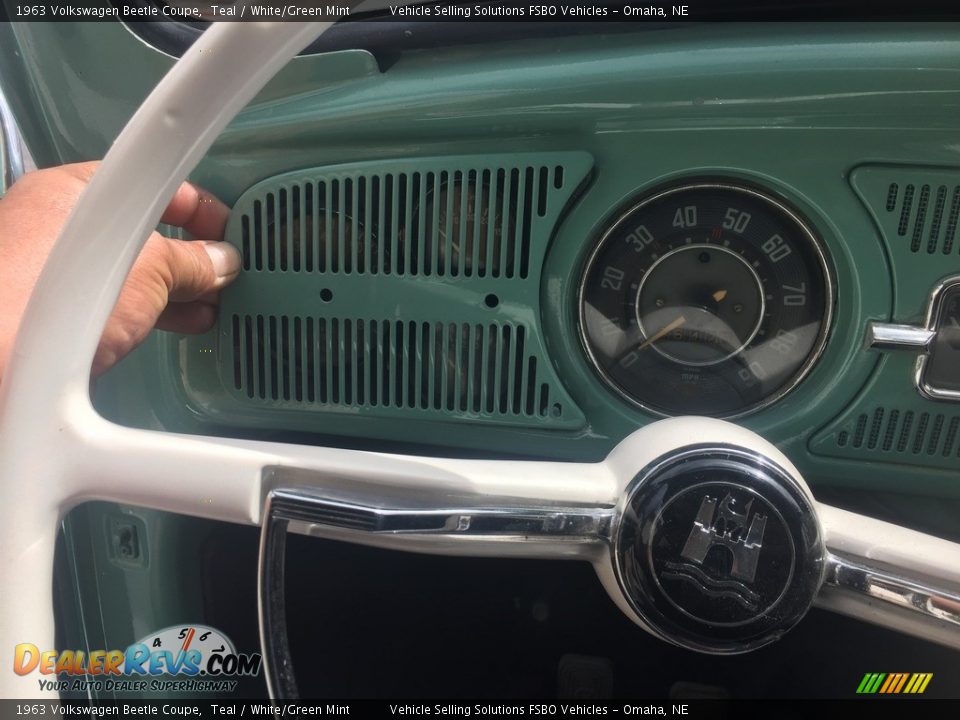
<point x="813" y="240"/>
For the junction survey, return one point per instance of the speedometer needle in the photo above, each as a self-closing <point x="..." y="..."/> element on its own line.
<point x="664" y="331"/>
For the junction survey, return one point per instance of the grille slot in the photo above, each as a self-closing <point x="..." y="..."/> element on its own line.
<point x="925" y="213"/>
<point x="483" y="369"/>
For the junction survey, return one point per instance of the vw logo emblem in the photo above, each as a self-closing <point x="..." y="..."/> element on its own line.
<point x="718" y="550"/>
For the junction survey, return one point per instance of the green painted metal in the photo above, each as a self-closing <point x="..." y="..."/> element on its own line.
<point x="123" y="599"/>
<point x="404" y="289"/>
<point x="917" y="212"/>
<point x="61" y="81"/>
<point x="794" y="108"/>
<point x="890" y="423"/>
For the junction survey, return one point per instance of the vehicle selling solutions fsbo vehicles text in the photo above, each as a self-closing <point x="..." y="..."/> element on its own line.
<point x="466" y="12"/>
<point x="540" y="709"/>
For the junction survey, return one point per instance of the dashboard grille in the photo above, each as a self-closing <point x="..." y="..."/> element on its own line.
<point x="455" y="368"/>
<point x="397" y="289"/>
<point x="890" y="430"/>
<point x="909" y="430"/>
<point x="917" y="210"/>
<point x="926" y="215"/>
<point x="443" y="223"/>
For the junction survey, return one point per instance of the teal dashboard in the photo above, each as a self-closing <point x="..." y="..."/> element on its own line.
<point x="531" y="247"/>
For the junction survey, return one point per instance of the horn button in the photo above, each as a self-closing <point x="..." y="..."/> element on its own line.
<point x="718" y="549"/>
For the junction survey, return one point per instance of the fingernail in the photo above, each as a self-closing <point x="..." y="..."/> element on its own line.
<point x="224" y="257"/>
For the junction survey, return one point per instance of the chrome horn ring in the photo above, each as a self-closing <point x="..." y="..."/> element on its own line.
<point x="718" y="547"/>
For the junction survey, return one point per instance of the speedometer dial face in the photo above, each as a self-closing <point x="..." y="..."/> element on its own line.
<point x="708" y="299"/>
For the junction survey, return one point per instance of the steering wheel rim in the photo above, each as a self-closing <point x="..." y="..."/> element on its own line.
<point x="57" y="451"/>
<point x="45" y="407"/>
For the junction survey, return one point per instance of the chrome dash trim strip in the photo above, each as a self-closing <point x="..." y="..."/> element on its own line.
<point x="890" y="336"/>
<point x="477" y="523"/>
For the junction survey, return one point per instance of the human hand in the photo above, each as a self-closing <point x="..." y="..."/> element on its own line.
<point x="173" y="284"/>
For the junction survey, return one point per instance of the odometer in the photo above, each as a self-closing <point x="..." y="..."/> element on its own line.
<point x="708" y="299"/>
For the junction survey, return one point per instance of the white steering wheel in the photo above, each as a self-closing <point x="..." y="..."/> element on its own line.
<point x="57" y="452"/>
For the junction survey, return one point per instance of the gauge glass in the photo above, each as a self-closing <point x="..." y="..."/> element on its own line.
<point x="709" y="299"/>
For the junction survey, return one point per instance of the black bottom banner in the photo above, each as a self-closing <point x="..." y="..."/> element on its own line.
<point x="877" y="708"/>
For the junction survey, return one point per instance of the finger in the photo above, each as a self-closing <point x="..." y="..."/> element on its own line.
<point x="190" y="317"/>
<point x="198" y="212"/>
<point x="81" y="170"/>
<point x="192" y="208"/>
<point x="211" y="298"/>
<point x="193" y="269"/>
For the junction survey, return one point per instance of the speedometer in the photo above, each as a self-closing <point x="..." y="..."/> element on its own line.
<point x="707" y="298"/>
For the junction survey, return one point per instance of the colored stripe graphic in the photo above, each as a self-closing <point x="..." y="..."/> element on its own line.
<point x="892" y="678"/>
<point x="894" y="683"/>
<point x="903" y="680"/>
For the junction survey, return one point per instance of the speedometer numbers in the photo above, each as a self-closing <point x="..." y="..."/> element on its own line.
<point x="708" y="299"/>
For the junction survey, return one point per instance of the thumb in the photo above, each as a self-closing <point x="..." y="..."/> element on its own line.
<point x="195" y="268"/>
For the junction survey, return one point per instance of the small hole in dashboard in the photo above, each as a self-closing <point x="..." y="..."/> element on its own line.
<point x="326" y="294"/>
<point x="491" y="300"/>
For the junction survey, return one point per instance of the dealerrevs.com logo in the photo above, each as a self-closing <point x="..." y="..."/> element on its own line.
<point x="181" y="658"/>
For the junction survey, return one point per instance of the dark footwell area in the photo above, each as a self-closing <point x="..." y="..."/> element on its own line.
<point x="373" y="623"/>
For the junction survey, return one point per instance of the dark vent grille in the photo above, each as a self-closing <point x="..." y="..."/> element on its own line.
<point x="472" y="222"/>
<point x="926" y="214"/>
<point x="887" y="430"/>
<point x="463" y="368"/>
